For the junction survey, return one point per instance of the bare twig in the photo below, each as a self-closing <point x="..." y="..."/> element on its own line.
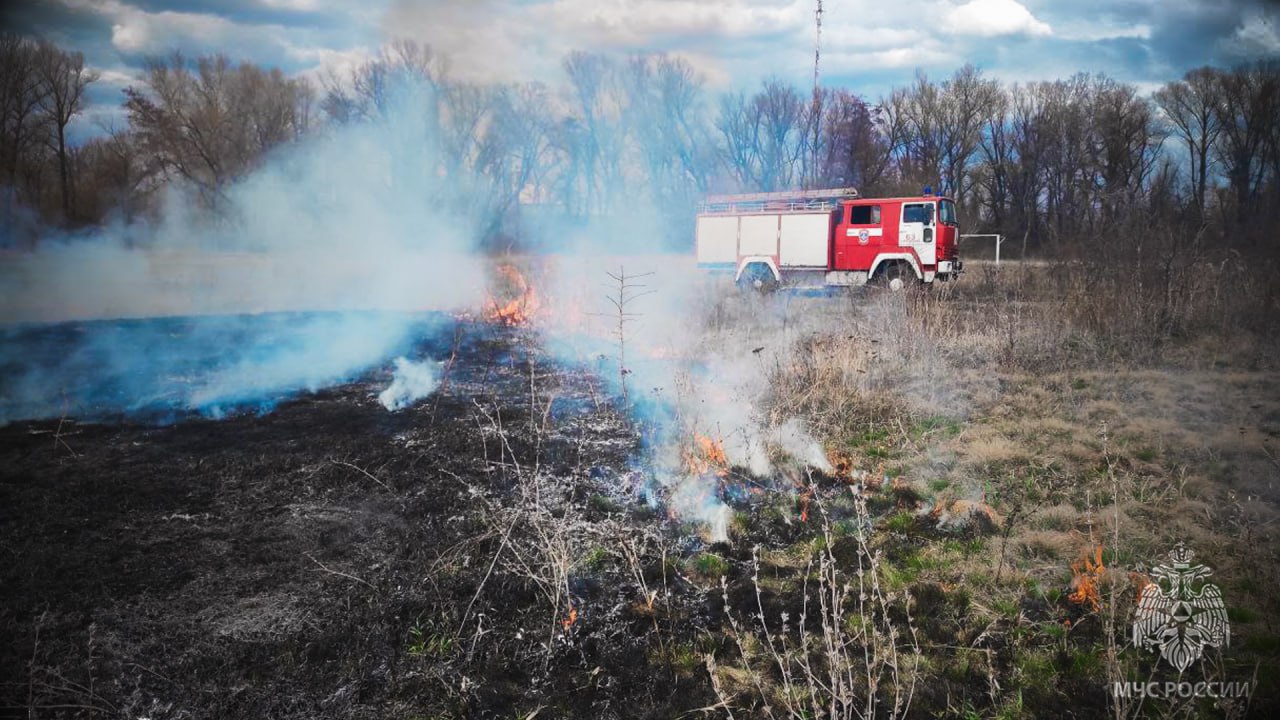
<point x="364" y="472"/>
<point x="337" y="572"/>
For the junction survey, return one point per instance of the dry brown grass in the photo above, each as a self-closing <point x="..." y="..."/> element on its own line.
<point x="1088" y="410"/>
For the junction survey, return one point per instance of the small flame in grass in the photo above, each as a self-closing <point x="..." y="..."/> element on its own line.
<point x="841" y="465"/>
<point x="706" y="456"/>
<point x="1140" y="583"/>
<point x="571" y="619"/>
<point x="804" y="496"/>
<point x="519" y="310"/>
<point x="1087" y="573"/>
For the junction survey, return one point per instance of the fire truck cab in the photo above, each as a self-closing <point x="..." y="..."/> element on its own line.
<point x="829" y="237"/>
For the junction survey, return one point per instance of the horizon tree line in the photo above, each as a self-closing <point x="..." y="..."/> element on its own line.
<point x="1053" y="164"/>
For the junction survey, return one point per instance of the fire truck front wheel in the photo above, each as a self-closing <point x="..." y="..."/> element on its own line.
<point x="757" y="277"/>
<point x="896" y="276"/>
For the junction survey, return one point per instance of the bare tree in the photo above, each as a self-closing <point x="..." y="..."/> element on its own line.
<point x="212" y="126"/>
<point x="994" y="177"/>
<point x="1127" y="141"/>
<point x="739" y="126"/>
<point x="63" y="80"/>
<point x="515" y="153"/>
<point x="665" y="129"/>
<point x="782" y="122"/>
<point x="968" y="102"/>
<point x="851" y="153"/>
<point x="592" y="136"/>
<point x="21" y="122"/>
<point x="1248" y="103"/>
<point x="1191" y="105"/>
<point x="369" y="91"/>
<point x="941" y="126"/>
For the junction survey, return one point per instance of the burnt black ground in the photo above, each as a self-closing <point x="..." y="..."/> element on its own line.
<point x="320" y="560"/>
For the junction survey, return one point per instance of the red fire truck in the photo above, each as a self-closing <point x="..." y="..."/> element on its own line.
<point x="832" y="237"/>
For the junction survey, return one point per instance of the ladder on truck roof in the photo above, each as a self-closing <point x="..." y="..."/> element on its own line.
<point x="792" y="200"/>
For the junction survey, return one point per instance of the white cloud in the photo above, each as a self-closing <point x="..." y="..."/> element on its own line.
<point x="638" y="22"/>
<point x="1257" y="35"/>
<point x="904" y="57"/>
<point x="297" y="5"/>
<point x="117" y="77"/>
<point x="991" y="18"/>
<point x="140" y="31"/>
<point x="326" y="63"/>
<point x="1096" y="32"/>
<point x="501" y="40"/>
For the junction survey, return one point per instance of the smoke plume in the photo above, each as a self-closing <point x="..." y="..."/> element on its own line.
<point x="312" y="269"/>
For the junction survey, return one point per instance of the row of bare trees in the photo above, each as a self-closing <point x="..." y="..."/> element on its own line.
<point x="41" y="90"/>
<point x="1046" y="162"/>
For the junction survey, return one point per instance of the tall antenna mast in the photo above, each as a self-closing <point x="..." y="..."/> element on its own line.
<point x="817" y="44"/>
<point x="816" y="112"/>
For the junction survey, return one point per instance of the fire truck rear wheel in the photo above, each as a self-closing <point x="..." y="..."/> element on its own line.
<point x="757" y="277"/>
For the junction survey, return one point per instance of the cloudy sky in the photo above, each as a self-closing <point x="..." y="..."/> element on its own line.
<point x="868" y="45"/>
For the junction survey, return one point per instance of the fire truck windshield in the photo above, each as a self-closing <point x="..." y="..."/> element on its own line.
<point x="947" y="212"/>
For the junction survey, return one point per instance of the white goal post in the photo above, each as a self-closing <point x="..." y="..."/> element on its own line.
<point x="999" y="242"/>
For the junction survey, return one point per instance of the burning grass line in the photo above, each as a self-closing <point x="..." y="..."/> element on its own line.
<point x="338" y="572"/>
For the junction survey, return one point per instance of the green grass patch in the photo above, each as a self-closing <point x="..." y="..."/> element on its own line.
<point x="936" y="424"/>
<point x="603" y="504"/>
<point x="900" y="522"/>
<point x="596" y="558"/>
<point x="1008" y="607"/>
<point x="711" y="565"/>
<point x="426" y="641"/>
<point x="1241" y="615"/>
<point x="1265" y="644"/>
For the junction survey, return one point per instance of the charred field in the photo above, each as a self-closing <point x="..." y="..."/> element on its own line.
<point x="989" y="491"/>
<point x="235" y="567"/>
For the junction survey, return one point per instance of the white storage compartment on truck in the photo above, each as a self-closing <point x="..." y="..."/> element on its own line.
<point x="795" y="239"/>
<point x="717" y="239"/>
<point x="804" y="239"/>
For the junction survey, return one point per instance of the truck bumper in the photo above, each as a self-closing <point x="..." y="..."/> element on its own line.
<point x="950" y="267"/>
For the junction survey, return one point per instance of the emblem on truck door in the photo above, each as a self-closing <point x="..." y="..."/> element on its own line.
<point x="862" y="237"/>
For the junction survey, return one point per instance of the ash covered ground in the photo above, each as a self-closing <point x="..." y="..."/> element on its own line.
<point x="328" y="558"/>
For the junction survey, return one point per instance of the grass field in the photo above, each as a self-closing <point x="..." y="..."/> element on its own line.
<point x="1040" y="394"/>
<point x="934" y="503"/>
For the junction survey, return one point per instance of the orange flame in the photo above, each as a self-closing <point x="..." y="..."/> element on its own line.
<point x="841" y="465"/>
<point x="519" y="310"/>
<point x="804" y="496"/>
<point x="573" y="618"/>
<point x="706" y="455"/>
<point x="1087" y="572"/>
<point x="1140" y="583"/>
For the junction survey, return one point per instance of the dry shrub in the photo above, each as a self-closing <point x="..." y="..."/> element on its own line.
<point x="1127" y="306"/>
<point x="1051" y="545"/>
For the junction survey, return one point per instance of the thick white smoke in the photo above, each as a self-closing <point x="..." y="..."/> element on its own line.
<point x="413" y="381"/>
<point x="685" y="377"/>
